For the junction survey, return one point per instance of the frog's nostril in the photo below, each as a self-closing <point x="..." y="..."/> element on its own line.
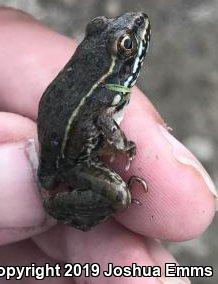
<point x="139" y="21"/>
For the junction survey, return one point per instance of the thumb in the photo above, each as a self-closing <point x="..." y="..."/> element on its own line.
<point x="22" y="213"/>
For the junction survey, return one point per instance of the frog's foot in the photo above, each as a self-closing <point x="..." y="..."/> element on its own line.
<point x="139" y="180"/>
<point x="134" y="179"/>
<point x="131" y="153"/>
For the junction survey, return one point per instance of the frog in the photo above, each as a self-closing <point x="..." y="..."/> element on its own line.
<point x="78" y="122"/>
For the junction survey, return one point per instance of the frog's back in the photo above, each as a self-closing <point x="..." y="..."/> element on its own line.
<point x="57" y="106"/>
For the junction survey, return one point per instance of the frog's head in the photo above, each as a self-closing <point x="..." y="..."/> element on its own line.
<point x="124" y="40"/>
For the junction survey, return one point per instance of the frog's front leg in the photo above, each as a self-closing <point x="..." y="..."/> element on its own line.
<point x="94" y="193"/>
<point x="115" y="137"/>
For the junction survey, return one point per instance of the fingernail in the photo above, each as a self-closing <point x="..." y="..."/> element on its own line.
<point x="185" y="157"/>
<point x="32" y="155"/>
<point x="175" y="280"/>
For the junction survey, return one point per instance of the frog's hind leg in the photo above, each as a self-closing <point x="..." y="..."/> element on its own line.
<point x="99" y="192"/>
<point x="80" y="208"/>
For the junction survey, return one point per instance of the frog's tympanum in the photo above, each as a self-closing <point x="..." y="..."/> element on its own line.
<point x="78" y="122"/>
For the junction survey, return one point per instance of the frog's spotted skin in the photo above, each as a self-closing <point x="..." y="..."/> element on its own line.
<point x="78" y="122"/>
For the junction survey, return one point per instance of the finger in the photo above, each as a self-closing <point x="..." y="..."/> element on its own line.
<point x="22" y="214"/>
<point x="106" y="243"/>
<point x="161" y="257"/>
<point x="178" y="204"/>
<point x="26" y="54"/>
<point x="23" y="255"/>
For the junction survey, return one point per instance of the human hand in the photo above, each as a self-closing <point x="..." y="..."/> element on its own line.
<point x="179" y="204"/>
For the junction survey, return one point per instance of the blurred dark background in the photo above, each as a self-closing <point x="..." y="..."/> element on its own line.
<point x="180" y="78"/>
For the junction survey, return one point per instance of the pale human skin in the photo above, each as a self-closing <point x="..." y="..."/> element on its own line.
<point x="180" y="202"/>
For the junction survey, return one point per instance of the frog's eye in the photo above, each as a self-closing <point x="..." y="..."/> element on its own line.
<point x="126" y="42"/>
<point x="127" y="45"/>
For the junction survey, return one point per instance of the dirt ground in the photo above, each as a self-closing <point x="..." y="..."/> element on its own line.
<point x="181" y="79"/>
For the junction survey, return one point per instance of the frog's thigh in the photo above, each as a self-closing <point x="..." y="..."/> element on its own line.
<point x="80" y="208"/>
<point x="105" y="182"/>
